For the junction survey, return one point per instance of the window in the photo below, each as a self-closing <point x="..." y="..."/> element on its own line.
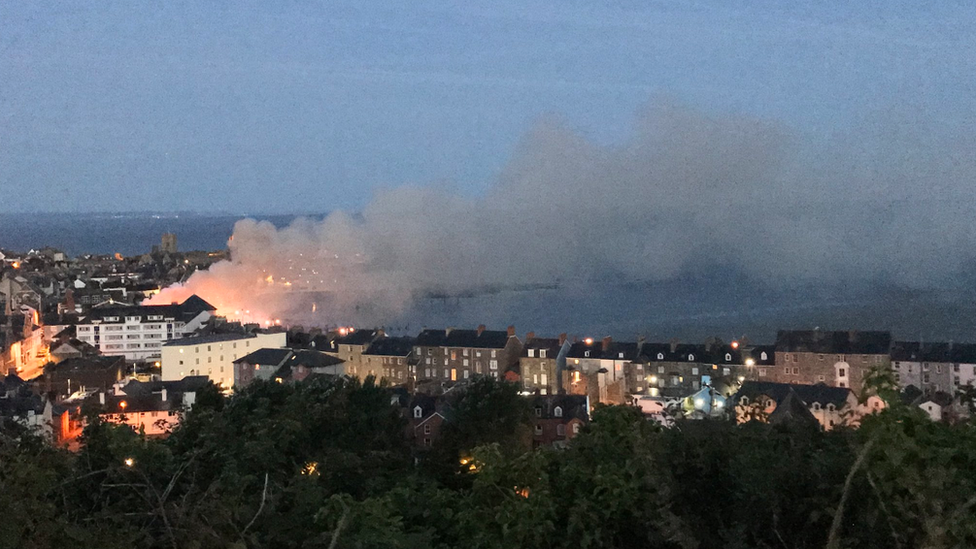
<point x="821" y="378"/>
<point x="586" y="353"/>
<point x="694" y="371"/>
<point x="763" y="356"/>
<point x="938" y="368"/>
<point x="426" y="429"/>
<point x="467" y="373"/>
<point x="493" y="364"/>
<point x="796" y="371"/>
<point x="831" y="407"/>
<point x="744" y="400"/>
<point x="660" y="369"/>
<point x="426" y="442"/>
<point x="557" y="412"/>
<point x="620" y="355"/>
<point x="447" y="373"/>
<point x="816" y="406"/>
<point x="418" y="412"/>
<point x="560" y="430"/>
<point x="762" y="372"/>
<point x="464" y="352"/>
<point x="726" y="371"/>
<point x="787" y="357"/>
<point x="728" y="357"/>
<point x="538" y="411"/>
<point x="531" y="353"/>
<point x="691" y="358"/>
<point x="787" y="370"/>
<point x="576" y="428"/>
<point x="955" y="368"/>
<point x="660" y="356"/>
<point x="538" y="430"/>
<point x="542" y="353"/>
<point x="464" y="362"/>
<point x="842" y="372"/>
<point x="925" y="377"/>
<point x="494" y="353"/>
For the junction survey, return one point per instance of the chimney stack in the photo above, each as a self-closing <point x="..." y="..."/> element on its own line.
<point x="606" y="343"/>
<point x="530" y="335"/>
<point x="562" y="339"/>
<point x="511" y="331"/>
<point x="481" y="329"/>
<point x="448" y="331"/>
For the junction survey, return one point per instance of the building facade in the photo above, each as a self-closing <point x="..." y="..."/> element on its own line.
<point x="213" y="356"/>
<point x="138" y="333"/>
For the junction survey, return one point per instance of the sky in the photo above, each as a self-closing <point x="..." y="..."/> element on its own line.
<point x="281" y="107"/>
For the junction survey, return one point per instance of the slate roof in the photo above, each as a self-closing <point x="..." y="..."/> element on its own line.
<point x="914" y="351"/>
<point x="185" y="311"/>
<point x="312" y="359"/>
<point x="574" y="406"/>
<point x="551" y="345"/>
<point x="77" y="364"/>
<point x="211" y="338"/>
<point x="488" y="339"/>
<point x="964" y="352"/>
<point x="809" y="394"/>
<point x="357" y="337"/>
<point x="792" y="409"/>
<point x="819" y="341"/>
<point x="390" y="346"/>
<point x="265" y="357"/>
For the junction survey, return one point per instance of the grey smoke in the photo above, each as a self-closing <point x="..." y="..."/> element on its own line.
<point x="891" y="201"/>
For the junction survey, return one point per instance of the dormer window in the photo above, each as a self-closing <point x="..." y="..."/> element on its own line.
<point x="531" y="353"/>
<point x="538" y="411"/>
<point x="763" y="356"/>
<point x="620" y="355"/>
<point x="744" y="400"/>
<point x="542" y="353"/>
<point x="418" y="412"/>
<point x="691" y="358"/>
<point x="586" y="354"/>
<point x="557" y="412"/>
<point x="728" y="357"/>
<point x="830" y="407"/>
<point x="660" y="356"/>
<point x="816" y="406"/>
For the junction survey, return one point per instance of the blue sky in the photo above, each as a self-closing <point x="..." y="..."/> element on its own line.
<point x="287" y="106"/>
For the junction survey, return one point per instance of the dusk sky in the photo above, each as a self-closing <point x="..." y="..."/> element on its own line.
<point x="283" y="106"/>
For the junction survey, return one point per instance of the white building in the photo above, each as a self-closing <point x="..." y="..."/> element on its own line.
<point x="139" y="332"/>
<point x="213" y="355"/>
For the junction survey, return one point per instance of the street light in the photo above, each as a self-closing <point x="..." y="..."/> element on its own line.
<point x="129" y="462"/>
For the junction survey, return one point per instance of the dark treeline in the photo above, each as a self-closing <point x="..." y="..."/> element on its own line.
<point x="326" y="464"/>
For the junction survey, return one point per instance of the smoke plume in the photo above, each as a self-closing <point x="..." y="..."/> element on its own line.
<point x="887" y="201"/>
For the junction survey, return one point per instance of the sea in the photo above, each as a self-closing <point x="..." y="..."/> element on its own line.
<point x="124" y="233"/>
<point x="690" y="307"/>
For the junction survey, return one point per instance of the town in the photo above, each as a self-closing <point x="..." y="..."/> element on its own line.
<point x="75" y="332"/>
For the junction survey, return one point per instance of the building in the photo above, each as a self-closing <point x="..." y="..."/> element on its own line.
<point x="139" y="332"/>
<point x="425" y="418"/>
<point x="153" y="408"/>
<point x="80" y="374"/>
<point x="260" y="364"/>
<point x="598" y="369"/>
<point x="456" y="355"/>
<point x="167" y="243"/>
<point x="927" y="366"/>
<point x="557" y="419"/>
<point x="830" y="406"/>
<point x="541" y="363"/>
<point x="837" y="359"/>
<point x="389" y="358"/>
<point x="350" y="348"/>
<point x="213" y="355"/>
<point x="305" y="363"/>
<point x="677" y="370"/>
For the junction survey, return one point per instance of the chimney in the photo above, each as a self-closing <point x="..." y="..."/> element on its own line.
<point x="562" y="339"/>
<point x="674" y="344"/>
<point x="530" y="335"/>
<point x="511" y="331"/>
<point x="481" y="329"/>
<point x="448" y="331"/>
<point x="101" y="398"/>
<point x="606" y="343"/>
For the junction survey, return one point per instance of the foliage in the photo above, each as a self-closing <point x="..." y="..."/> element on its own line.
<point x="325" y="463"/>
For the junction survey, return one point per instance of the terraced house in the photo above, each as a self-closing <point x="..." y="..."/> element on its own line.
<point x="837" y="359"/>
<point x="456" y="355"/>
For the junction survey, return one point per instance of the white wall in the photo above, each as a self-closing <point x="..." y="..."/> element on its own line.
<point x="214" y="360"/>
